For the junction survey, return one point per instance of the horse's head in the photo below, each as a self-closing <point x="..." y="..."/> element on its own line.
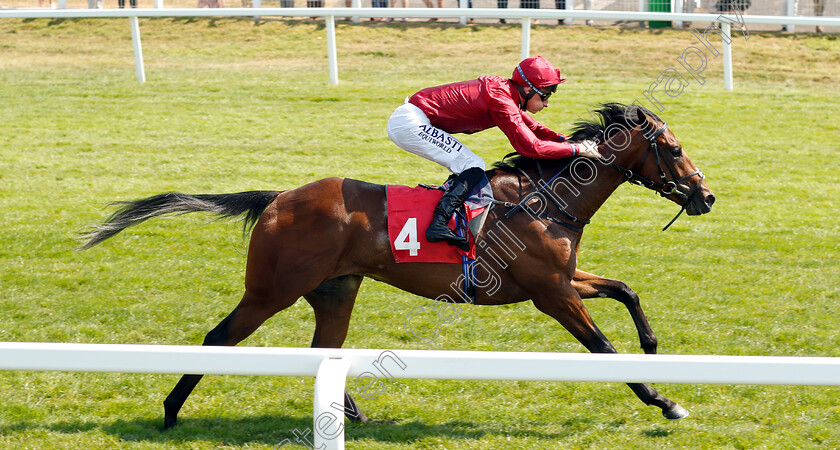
<point x="640" y="145"/>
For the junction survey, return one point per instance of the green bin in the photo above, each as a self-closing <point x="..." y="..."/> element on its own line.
<point x="659" y="6"/>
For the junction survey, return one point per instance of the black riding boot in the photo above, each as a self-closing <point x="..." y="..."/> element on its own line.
<point x="452" y="199"/>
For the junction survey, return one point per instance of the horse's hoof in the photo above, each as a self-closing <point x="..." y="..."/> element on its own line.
<point x="385" y="422"/>
<point x="676" y="412"/>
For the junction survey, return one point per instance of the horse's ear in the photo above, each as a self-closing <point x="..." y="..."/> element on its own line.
<point x="639" y="119"/>
<point x="635" y="116"/>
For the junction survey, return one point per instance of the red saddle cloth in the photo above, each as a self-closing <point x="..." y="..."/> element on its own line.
<point x="409" y="214"/>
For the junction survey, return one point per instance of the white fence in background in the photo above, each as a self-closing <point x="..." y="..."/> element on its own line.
<point x="759" y="7"/>
<point x="525" y="15"/>
<point x="331" y="367"/>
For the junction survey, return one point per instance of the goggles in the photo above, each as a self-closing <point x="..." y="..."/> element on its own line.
<point x="548" y="91"/>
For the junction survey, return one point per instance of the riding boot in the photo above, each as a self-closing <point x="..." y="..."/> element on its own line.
<point x="452" y="199"/>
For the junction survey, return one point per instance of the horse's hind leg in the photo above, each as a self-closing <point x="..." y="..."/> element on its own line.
<point x="251" y="312"/>
<point x="333" y="303"/>
<point x="591" y="286"/>
<point x="568" y="309"/>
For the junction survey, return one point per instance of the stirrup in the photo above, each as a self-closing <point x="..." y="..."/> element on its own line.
<point x="449" y="236"/>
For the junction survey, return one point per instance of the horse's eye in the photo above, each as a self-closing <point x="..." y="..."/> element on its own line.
<point x="676" y="151"/>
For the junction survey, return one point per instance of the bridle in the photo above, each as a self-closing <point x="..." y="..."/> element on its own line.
<point x="664" y="187"/>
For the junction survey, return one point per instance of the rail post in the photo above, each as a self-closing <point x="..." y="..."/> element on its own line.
<point x="463" y="4"/>
<point x="331" y="52"/>
<point x="726" y="37"/>
<point x="138" y="49"/>
<point x="790" y="10"/>
<point x="526" y="38"/>
<point x="328" y="415"/>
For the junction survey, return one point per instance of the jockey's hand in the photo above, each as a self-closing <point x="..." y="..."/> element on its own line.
<point x="589" y="149"/>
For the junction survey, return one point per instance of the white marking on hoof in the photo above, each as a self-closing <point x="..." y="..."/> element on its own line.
<point x="675" y="413"/>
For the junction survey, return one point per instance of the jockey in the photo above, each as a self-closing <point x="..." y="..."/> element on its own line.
<point x="424" y="123"/>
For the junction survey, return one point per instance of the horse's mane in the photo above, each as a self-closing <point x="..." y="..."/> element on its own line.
<point x="607" y="114"/>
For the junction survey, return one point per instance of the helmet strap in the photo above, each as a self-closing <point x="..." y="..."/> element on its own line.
<point x="525" y="97"/>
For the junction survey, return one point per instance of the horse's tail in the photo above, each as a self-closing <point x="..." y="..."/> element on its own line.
<point x="251" y="204"/>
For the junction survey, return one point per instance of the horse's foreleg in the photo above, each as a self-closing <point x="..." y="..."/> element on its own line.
<point x="591" y="286"/>
<point x="251" y="312"/>
<point x="568" y="309"/>
<point x="333" y="303"/>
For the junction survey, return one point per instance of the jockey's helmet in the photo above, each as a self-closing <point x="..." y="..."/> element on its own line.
<point x="539" y="74"/>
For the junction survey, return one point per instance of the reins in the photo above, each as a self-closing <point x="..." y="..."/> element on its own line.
<point x="664" y="188"/>
<point x="523" y="204"/>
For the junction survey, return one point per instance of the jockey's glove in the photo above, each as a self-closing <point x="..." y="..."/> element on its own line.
<point x="589" y="149"/>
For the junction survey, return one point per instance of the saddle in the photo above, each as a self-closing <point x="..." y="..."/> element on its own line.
<point x="410" y="213"/>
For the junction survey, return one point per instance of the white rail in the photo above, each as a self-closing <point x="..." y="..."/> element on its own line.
<point x="331" y="367"/>
<point x="526" y="15"/>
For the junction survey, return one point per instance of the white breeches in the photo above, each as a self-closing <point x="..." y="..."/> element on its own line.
<point x="411" y="130"/>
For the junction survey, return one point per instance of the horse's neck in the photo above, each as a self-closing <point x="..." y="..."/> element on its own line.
<point x="589" y="192"/>
<point x="578" y="189"/>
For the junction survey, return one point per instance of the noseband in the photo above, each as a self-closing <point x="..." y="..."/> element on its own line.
<point x="665" y="187"/>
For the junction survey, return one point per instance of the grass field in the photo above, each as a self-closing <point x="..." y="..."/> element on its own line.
<point x="230" y="105"/>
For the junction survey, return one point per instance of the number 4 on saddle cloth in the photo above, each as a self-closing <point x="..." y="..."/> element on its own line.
<point x="410" y="213"/>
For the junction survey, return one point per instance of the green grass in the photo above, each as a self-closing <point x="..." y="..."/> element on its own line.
<point x="231" y="105"/>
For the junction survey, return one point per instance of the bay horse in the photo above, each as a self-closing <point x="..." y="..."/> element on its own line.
<point x="320" y="240"/>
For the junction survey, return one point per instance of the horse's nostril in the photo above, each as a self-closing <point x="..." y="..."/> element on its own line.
<point x="710" y="200"/>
